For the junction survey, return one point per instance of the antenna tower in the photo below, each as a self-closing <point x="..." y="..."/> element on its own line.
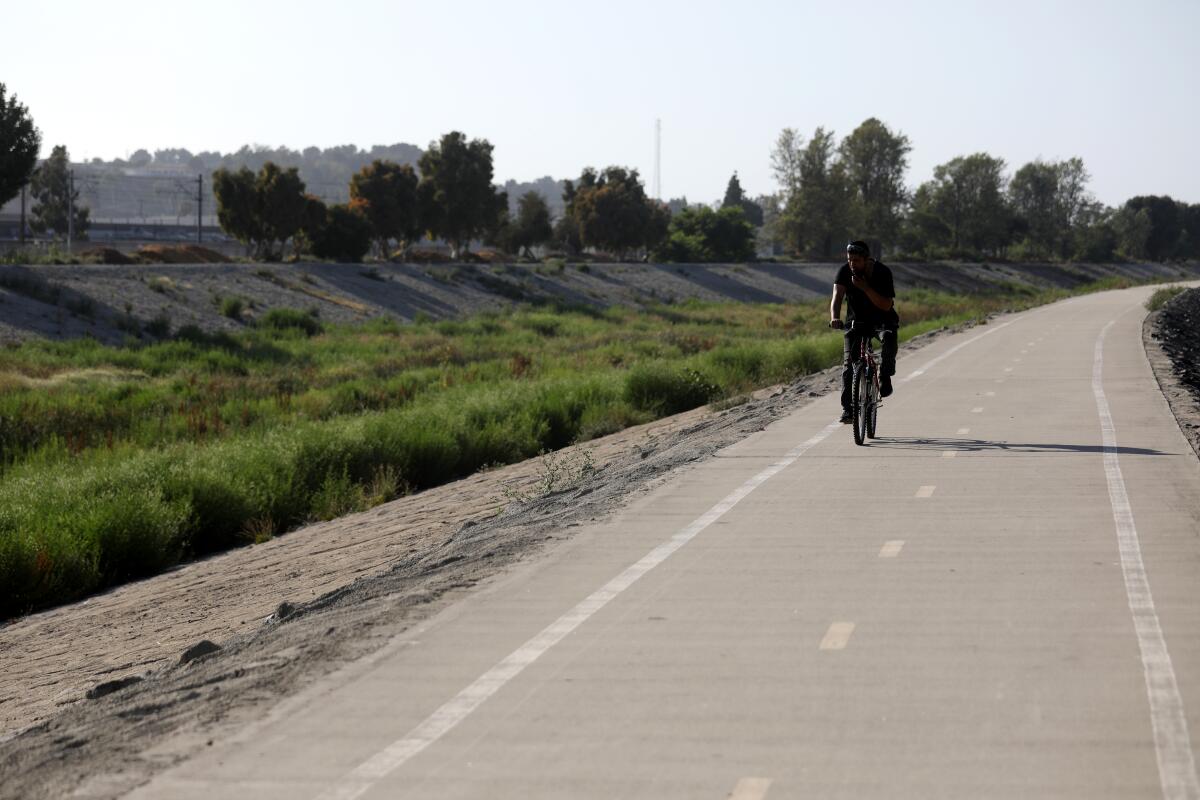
<point x="658" y="159"/>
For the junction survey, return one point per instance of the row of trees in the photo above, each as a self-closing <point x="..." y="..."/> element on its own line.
<point x="452" y="198"/>
<point x="832" y="191"/>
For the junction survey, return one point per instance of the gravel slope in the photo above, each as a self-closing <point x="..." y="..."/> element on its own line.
<point x="108" y="302"/>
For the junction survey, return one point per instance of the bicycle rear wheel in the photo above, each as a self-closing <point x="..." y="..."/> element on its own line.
<point x="861" y="405"/>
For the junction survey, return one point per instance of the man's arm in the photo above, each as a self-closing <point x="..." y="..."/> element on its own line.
<point x="878" y="300"/>
<point x="835" y="306"/>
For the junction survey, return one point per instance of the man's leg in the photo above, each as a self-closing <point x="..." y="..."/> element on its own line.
<point x="849" y="356"/>
<point x="887" y="366"/>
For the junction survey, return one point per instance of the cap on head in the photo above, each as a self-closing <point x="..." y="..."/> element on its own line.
<point x="858" y="248"/>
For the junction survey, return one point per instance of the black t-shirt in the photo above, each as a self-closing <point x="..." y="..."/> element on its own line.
<point x="861" y="309"/>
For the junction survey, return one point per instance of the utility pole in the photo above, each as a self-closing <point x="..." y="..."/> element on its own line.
<point x="22" y="216"/>
<point x="199" y="205"/>
<point x="70" y="208"/>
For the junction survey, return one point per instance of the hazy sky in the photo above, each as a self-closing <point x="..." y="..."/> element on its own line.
<point x="557" y="86"/>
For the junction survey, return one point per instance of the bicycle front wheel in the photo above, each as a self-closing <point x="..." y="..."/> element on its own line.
<point x="861" y="410"/>
<point x="873" y="405"/>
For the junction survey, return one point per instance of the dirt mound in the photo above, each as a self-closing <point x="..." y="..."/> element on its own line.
<point x="1172" y="339"/>
<point x="425" y="256"/>
<point x="1179" y="332"/>
<point x="180" y="254"/>
<point x="106" y="255"/>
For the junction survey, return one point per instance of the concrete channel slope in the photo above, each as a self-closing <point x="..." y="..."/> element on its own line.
<point x="996" y="598"/>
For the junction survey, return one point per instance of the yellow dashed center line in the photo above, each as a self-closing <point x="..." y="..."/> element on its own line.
<point x="837" y="636"/>
<point x="751" y="789"/>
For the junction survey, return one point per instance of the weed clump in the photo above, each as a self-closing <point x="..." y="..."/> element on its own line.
<point x="291" y="319"/>
<point x="665" y="391"/>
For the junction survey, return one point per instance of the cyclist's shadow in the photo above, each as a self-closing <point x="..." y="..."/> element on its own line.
<point x="984" y="445"/>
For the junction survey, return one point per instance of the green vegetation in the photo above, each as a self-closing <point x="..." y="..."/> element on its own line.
<point x="833" y="192"/>
<point x="117" y="462"/>
<point x="1161" y="296"/>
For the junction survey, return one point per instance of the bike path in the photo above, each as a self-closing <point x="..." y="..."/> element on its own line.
<point x="943" y="613"/>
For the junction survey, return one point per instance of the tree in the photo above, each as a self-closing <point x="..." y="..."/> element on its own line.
<point x="460" y="200"/>
<point x="736" y="198"/>
<point x="20" y="142"/>
<point x="785" y="162"/>
<point x="281" y="204"/>
<point x="532" y="224"/>
<point x="967" y="196"/>
<point x="1164" y="236"/>
<point x="817" y="214"/>
<point x="1095" y="234"/>
<point x="1133" y="230"/>
<point x="1050" y="199"/>
<point x="236" y="205"/>
<point x="613" y="212"/>
<point x="386" y="194"/>
<point x="701" y="234"/>
<point x="340" y="233"/>
<point x="875" y="160"/>
<point x="54" y="198"/>
<point x="924" y="233"/>
<point x="262" y="211"/>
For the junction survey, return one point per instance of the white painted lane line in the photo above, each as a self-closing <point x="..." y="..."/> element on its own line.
<point x="919" y="372"/>
<point x="963" y="431"/>
<point x="949" y="453"/>
<point x="359" y="780"/>
<point x="838" y="636"/>
<point x="989" y="394"/>
<point x="1008" y="369"/>
<point x="1172" y="744"/>
<point x="891" y="549"/>
<point x="999" y="380"/>
<point x="977" y="410"/>
<point x="925" y="491"/>
<point x="751" y="789"/>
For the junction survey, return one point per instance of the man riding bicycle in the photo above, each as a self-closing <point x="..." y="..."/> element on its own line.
<point x="866" y="285"/>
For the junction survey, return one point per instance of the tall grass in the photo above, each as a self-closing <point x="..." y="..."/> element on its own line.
<point x="121" y="461"/>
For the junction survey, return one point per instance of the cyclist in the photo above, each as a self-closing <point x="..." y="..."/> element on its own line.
<point x="866" y="285"/>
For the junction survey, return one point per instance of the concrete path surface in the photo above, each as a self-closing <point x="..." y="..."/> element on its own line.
<point x="996" y="598"/>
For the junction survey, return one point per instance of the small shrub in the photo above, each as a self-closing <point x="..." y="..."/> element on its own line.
<point x="233" y="307"/>
<point x="283" y="319"/>
<point x="161" y="284"/>
<point x="159" y="327"/>
<point x="81" y="305"/>
<point x="667" y="391"/>
<point x="1162" y="296"/>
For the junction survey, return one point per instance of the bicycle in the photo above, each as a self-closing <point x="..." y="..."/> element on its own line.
<point x="864" y="394"/>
